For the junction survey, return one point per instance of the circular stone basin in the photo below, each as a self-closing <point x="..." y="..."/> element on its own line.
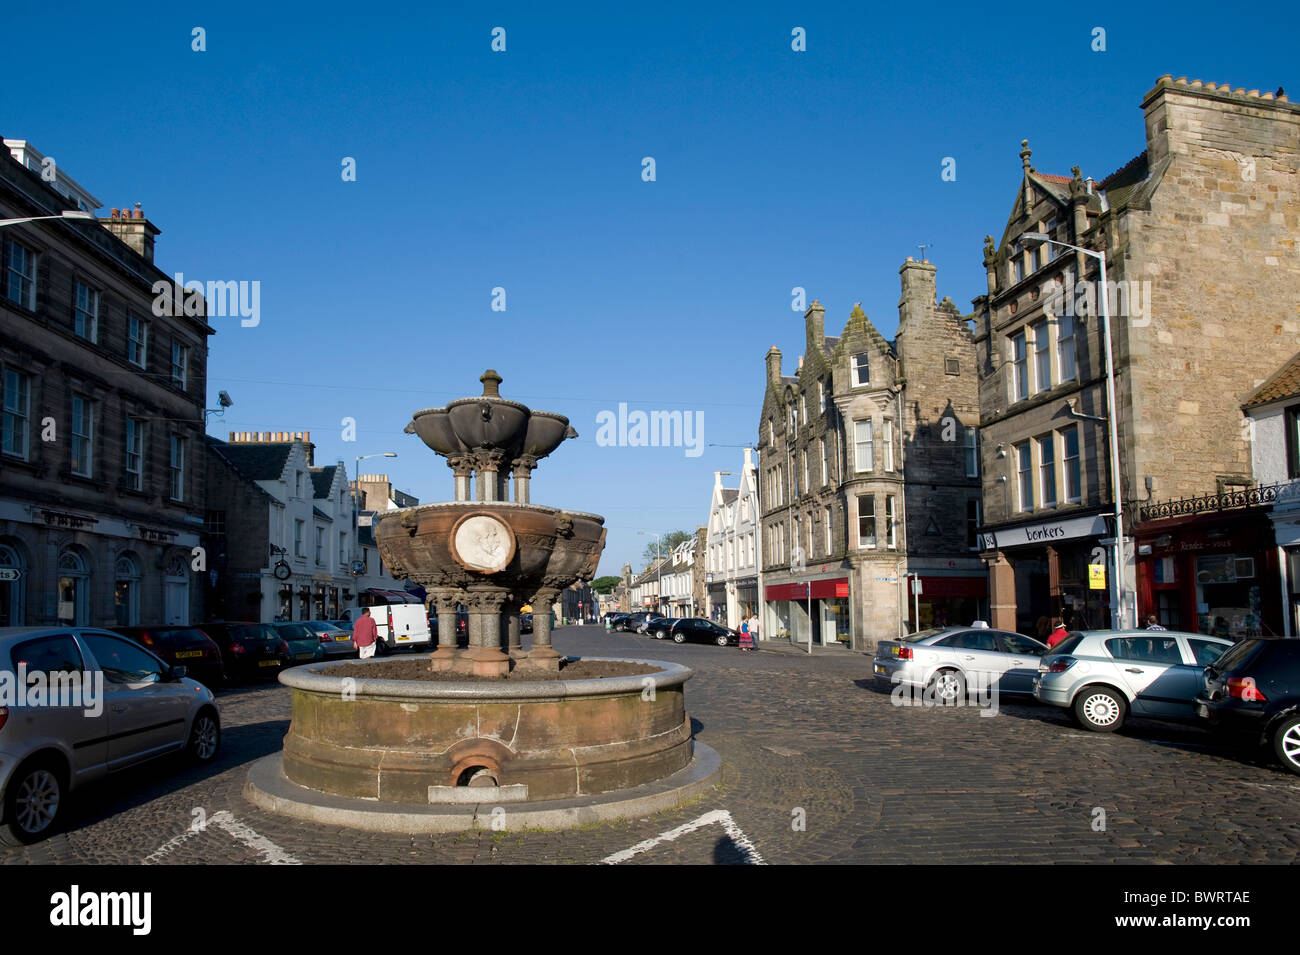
<point x="423" y="741"/>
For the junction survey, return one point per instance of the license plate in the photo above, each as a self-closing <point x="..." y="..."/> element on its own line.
<point x="188" y="654"/>
<point x="400" y="639"/>
<point x="342" y="639"/>
<point x="269" y="663"/>
<point x="880" y="668"/>
<point x="894" y="651"/>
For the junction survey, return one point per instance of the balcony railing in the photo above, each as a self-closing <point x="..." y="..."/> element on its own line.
<point x="1286" y="494"/>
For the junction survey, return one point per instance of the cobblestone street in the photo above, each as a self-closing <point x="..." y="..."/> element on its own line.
<point x="800" y="737"/>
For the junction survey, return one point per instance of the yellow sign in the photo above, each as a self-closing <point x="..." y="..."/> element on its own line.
<point x="1096" y="576"/>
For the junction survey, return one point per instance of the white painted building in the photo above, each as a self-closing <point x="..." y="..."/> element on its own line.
<point x="732" y="564"/>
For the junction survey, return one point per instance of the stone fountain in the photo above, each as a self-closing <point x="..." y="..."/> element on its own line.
<point x="492" y="723"/>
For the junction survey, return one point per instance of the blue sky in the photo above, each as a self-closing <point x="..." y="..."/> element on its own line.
<point x="522" y="170"/>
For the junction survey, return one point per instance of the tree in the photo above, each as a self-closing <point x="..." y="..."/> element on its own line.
<point x="666" y="545"/>
<point x="605" y="585"/>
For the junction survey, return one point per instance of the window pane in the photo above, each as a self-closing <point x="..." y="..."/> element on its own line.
<point x="1065" y="347"/>
<point x="1019" y="366"/>
<point x="1042" y="358"/>
<point x="1047" y="470"/>
<point x="867" y="521"/>
<point x="1072" y="471"/>
<point x="1024" y="460"/>
<point x="863" y="454"/>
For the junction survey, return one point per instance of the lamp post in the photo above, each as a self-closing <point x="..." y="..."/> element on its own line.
<point x="356" y="496"/>
<point x="68" y="214"/>
<point x="1117" y="591"/>
<point x="659" y="570"/>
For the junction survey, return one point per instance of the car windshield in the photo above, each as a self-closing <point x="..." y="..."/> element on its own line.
<point x="294" y="631"/>
<point x="921" y="635"/>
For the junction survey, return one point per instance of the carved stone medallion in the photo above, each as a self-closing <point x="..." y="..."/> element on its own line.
<point x="482" y="543"/>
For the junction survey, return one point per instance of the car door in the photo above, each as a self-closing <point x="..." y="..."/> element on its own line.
<point x="146" y="712"/>
<point x="1019" y="658"/>
<point x="974" y="652"/>
<point x="1151" y="665"/>
<point x="75" y="718"/>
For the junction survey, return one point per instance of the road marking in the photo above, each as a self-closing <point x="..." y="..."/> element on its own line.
<point x="721" y="816"/>
<point x="268" y="850"/>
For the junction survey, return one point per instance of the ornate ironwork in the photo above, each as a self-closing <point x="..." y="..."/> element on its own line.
<point x="1267" y="496"/>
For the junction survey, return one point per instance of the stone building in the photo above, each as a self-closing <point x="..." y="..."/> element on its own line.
<point x="1202" y="272"/>
<point x="863" y="475"/>
<point x="101" y="439"/>
<point x="281" y="531"/>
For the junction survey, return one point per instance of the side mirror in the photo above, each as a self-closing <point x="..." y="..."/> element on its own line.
<point x="176" y="674"/>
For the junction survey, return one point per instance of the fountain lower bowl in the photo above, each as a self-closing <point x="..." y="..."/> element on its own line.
<point x="416" y="742"/>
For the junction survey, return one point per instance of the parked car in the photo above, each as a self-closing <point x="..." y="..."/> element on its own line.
<point x="617" y="620"/>
<point x="304" y="644"/>
<point x="1252" y="694"/>
<point x="1104" y="676"/>
<point x="640" y="622"/>
<point x="944" y="661"/>
<point x="148" y="708"/>
<point x="660" y="627"/>
<point x="698" y="630"/>
<point x="249" y="649"/>
<point x="335" y="640"/>
<point x="189" y="647"/>
<point x="401" y="618"/>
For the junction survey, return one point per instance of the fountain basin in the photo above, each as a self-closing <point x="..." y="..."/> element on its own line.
<point x="414" y="742"/>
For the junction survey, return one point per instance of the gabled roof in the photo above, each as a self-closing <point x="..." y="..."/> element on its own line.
<point x="1121" y="185"/>
<point x="220" y="446"/>
<point x="322" y="515"/>
<point x="729" y="494"/>
<point x="322" y="479"/>
<point x="1284" y="383"/>
<point x="257" y="462"/>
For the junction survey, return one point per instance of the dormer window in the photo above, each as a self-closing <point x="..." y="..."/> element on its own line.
<point x="861" y="369"/>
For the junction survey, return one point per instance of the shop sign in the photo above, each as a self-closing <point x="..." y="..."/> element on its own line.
<point x="1048" y="532"/>
<point x="1096" y="576"/>
<point x="9" y="573"/>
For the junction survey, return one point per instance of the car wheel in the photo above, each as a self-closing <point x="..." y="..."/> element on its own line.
<point x="948" y="687"/>
<point x="660" y="634"/>
<point x="1286" y="743"/>
<point x="1099" y="709"/>
<point x="679" y="638"/>
<point x="205" y="737"/>
<point x="32" y="803"/>
<point x="722" y="640"/>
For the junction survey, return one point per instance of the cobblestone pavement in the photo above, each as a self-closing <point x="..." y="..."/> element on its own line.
<point x="801" y="737"/>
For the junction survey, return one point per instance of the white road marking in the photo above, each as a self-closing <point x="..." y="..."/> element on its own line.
<point x="268" y="850"/>
<point x="721" y="816"/>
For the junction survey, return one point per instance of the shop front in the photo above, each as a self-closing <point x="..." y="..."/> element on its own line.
<point x="820" y="606"/>
<point x="1217" y="573"/>
<point x="1047" y="569"/>
<point x="948" y="602"/>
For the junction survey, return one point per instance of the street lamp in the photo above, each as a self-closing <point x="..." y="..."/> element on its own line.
<point x="68" y="214"/>
<point x="659" y="569"/>
<point x="356" y="495"/>
<point x="1117" y="598"/>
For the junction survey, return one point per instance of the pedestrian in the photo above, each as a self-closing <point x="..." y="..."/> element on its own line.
<point x="1153" y="623"/>
<point x="746" y="639"/>
<point x="365" y="634"/>
<point x="753" y="626"/>
<point x="1058" y="632"/>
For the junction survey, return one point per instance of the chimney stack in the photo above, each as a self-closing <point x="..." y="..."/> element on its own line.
<point x="774" y="366"/>
<point x="134" y="229"/>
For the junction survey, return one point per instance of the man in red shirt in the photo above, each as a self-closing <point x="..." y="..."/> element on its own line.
<point x="365" y="634"/>
<point x="1058" y="634"/>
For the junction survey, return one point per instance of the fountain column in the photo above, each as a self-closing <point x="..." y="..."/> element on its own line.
<point x="484" y="651"/>
<point x="523" y="468"/>
<point x="542" y="653"/>
<point x="445" y="600"/>
<point x="462" y="466"/>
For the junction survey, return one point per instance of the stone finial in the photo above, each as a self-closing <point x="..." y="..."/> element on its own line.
<point x="491" y="384"/>
<point x="1025" y="153"/>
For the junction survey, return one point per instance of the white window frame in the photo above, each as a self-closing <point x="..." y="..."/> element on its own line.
<point x="137" y="348"/>
<point x="299" y="527"/>
<point x="887" y="437"/>
<point x="88" y="315"/>
<point x="133" y="447"/>
<point x="1047" y="469"/>
<point x="23" y="274"/>
<point x="1070" y="470"/>
<point x="891" y="523"/>
<point x="857" y="368"/>
<point x="1042" y="357"/>
<point x="1025" y="476"/>
<point x="176" y="468"/>
<point x="17" y="440"/>
<point x="87" y="437"/>
<point x="859" y="444"/>
<point x="1066" y="348"/>
<point x="180" y="365"/>
<point x="870" y="542"/>
<point x="1019" y="366"/>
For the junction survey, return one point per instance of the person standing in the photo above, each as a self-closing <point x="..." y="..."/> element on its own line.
<point x="1058" y="633"/>
<point x="365" y="634"/>
<point x="746" y="638"/>
<point x="753" y="627"/>
<point x="1153" y="623"/>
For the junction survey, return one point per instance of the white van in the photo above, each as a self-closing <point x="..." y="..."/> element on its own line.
<point x="400" y="618"/>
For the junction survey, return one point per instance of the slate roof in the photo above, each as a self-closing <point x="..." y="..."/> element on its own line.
<point x="1120" y="185"/>
<point x="729" y="494"/>
<point x="322" y="515"/>
<point x="322" y="479"/>
<point x="257" y="462"/>
<point x="1285" y="383"/>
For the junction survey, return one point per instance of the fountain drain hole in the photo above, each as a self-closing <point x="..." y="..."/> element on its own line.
<point x="477" y="776"/>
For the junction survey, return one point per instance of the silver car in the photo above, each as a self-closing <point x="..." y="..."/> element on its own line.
<point x="944" y="662"/>
<point x="1104" y="676"/>
<point x="79" y="702"/>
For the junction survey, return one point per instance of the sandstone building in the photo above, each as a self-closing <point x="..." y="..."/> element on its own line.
<point x="1199" y="236"/>
<point x="867" y="474"/>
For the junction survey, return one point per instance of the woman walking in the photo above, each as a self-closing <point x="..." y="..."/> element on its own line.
<point x="746" y="638"/>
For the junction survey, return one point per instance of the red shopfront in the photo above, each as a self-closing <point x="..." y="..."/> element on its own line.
<point x="948" y="602"/>
<point x="1215" y="574"/>
<point x="830" y="618"/>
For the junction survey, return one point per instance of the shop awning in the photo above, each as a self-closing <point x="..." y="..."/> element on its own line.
<point x="821" y="590"/>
